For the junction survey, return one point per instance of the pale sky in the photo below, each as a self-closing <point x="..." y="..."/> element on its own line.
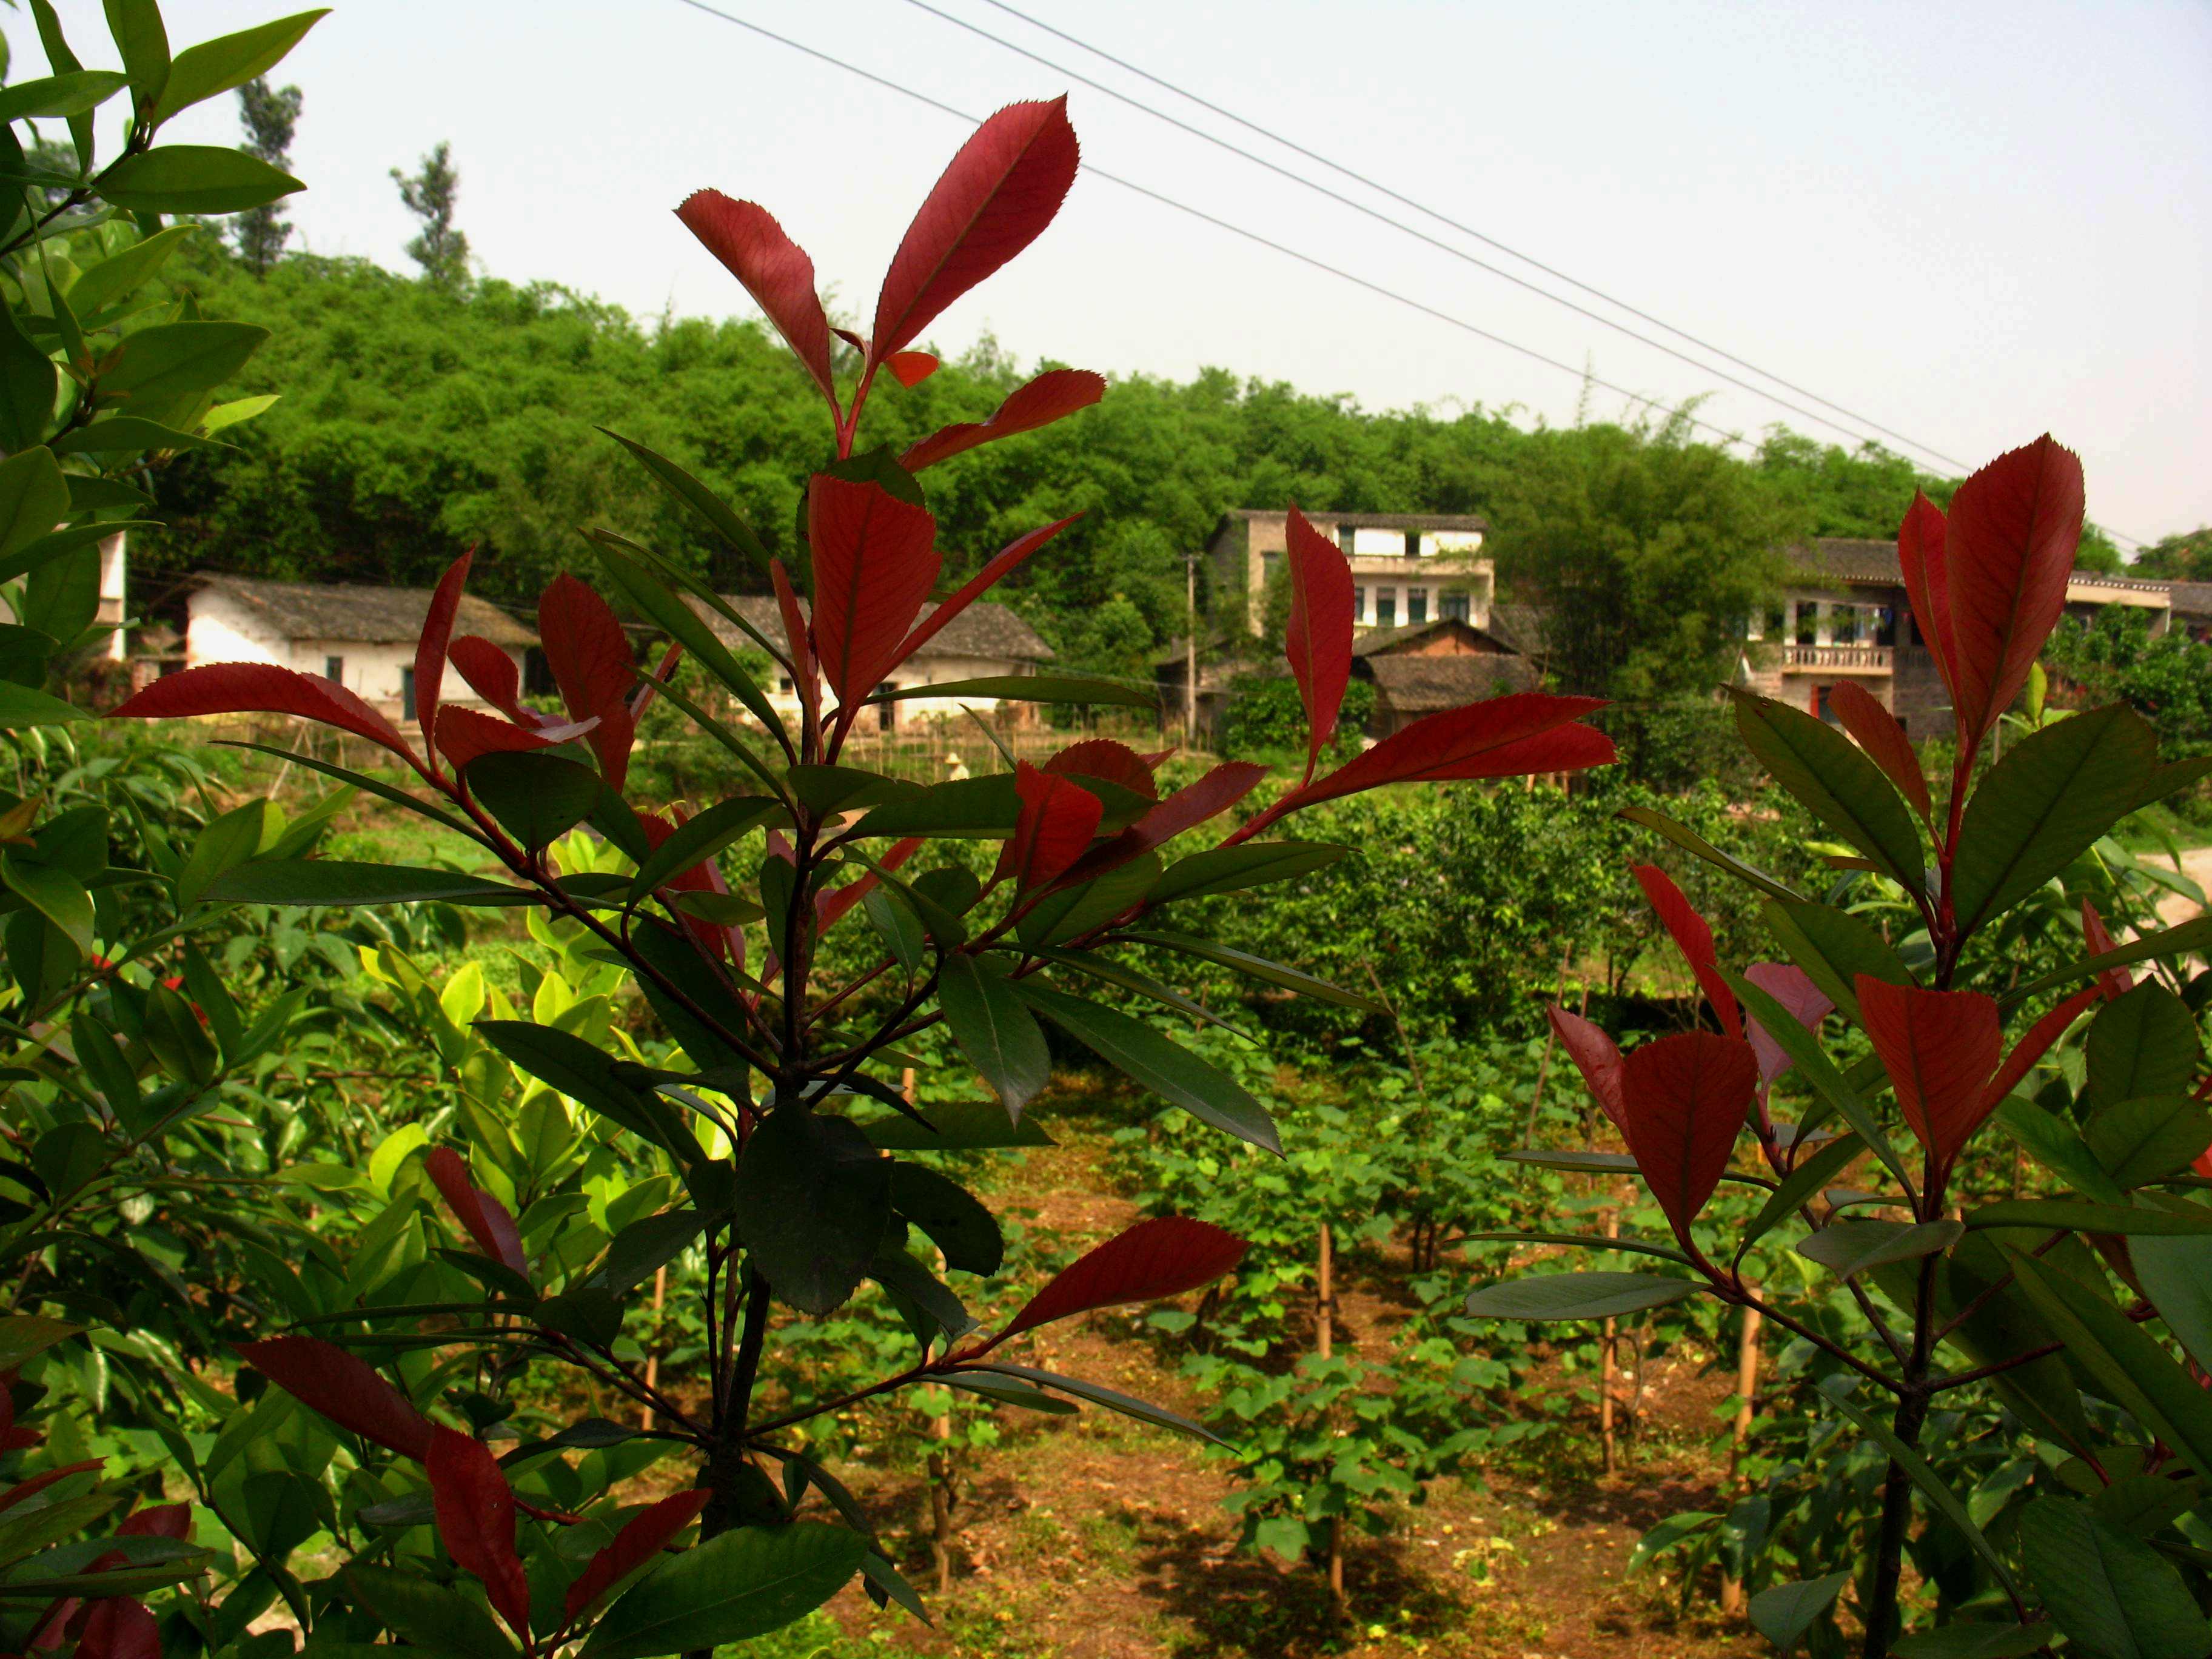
<point x="1971" y="222"/>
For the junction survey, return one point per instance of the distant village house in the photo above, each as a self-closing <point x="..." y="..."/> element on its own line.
<point x="1407" y="567"/>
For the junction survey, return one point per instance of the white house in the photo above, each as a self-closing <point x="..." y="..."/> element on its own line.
<point x="1408" y="568"/>
<point x="361" y="637"/>
<point x="983" y="640"/>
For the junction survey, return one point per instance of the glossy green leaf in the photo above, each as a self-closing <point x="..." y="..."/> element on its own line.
<point x="28" y="380"/>
<point x="1837" y="782"/>
<point x="373" y="786"/>
<point x="1098" y="1394"/>
<point x="961" y="1126"/>
<point x="2044" y="805"/>
<point x="956" y="1222"/>
<point x="20" y="706"/>
<point x="997" y="1033"/>
<point x="1784" y="1613"/>
<point x="1274" y="972"/>
<point x="1578" y="1295"/>
<point x="1814" y="1173"/>
<point x="194" y="178"/>
<point x="537" y="797"/>
<point x="572" y="1066"/>
<point x="1844" y="1248"/>
<point x="1253" y="864"/>
<point x="128" y="434"/>
<point x="429" y="1616"/>
<point x="641" y="585"/>
<point x="1665" y="1251"/>
<point x="2054" y="1144"/>
<point x="739" y="535"/>
<point x="1833" y="947"/>
<point x="121" y="273"/>
<point x="2139" y="1142"/>
<point x="2191" y="938"/>
<point x="1076" y="912"/>
<point x="1691" y="842"/>
<point x="813" y="1204"/>
<point x="2114" y="1597"/>
<point x="229" y="61"/>
<point x="2053" y="1214"/>
<point x="700" y="838"/>
<point x="55" y="96"/>
<point x="55" y="893"/>
<point x="1975" y="1640"/>
<point x="2176" y="1271"/>
<point x="34" y="496"/>
<point x="2142" y="1043"/>
<point x="165" y="370"/>
<point x="1029" y="688"/>
<point x="1151" y="1061"/>
<point x="330" y="881"/>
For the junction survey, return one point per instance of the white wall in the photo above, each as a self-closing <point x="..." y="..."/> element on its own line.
<point x="928" y="670"/>
<point x="219" y="628"/>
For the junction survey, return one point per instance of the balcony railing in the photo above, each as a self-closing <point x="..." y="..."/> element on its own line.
<point x="1846" y="658"/>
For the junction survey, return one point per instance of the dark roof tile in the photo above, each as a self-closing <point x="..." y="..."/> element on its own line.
<point x="371" y="616"/>
<point x="985" y="629"/>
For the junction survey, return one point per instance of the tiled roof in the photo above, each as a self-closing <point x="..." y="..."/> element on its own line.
<point x="370" y="616"/>
<point x="1377" y="520"/>
<point x="1852" y="559"/>
<point x="1380" y="641"/>
<point x="2192" y="599"/>
<point x="1422" y="685"/>
<point x="981" y="631"/>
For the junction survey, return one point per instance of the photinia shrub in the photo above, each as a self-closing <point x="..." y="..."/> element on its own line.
<point x="2081" y="1314"/>
<point x="794" y="1153"/>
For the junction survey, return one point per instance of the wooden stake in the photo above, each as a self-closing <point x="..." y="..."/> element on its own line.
<point x="1544" y="1066"/>
<point x="652" y="1360"/>
<point x="940" y="1505"/>
<point x="1747" y="1385"/>
<point x="1324" y="1346"/>
<point x="1608" y="1373"/>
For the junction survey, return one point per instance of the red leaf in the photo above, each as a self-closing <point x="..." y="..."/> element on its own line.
<point x="2013" y="528"/>
<point x="160" y="1521"/>
<point x="1318" y="640"/>
<point x="252" y="688"/>
<point x="910" y="368"/>
<point x="491" y="673"/>
<point x="1163" y="1256"/>
<point x="45" y="1478"/>
<point x="1685" y="1098"/>
<point x="474" y="1509"/>
<point x="1597" y="1057"/>
<point x="775" y="270"/>
<point x="1001" y="564"/>
<point x="1051" y="396"/>
<point x="1921" y="558"/>
<point x="1059" y="819"/>
<point x="120" y="1627"/>
<point x="430" y="650"/>
<point x="1876" y="731"/>
<point x="701" y="878"/>
<point x="1001" y="190"/>
<point x="1188" y="807"/>
<point x="2117" y="981"/>
<point x="329" y="1380"/>
<point x="1940" y="1049"/>
<point x="1794" y="989"/>
<point x="1503" y="737"/>
<point x="831" y="904"/>
<point x="1110" y="763"/>
<point x="485" y="1217"/>
<point x="2033" y="1047"/>
<point x="805" y="671"/>
<point x="585" y="647"/>
<point x="464" y="734"/>
<point x="641" y="1538"/>
<point x="1693" y="937"/>
<point x="875" y="561"/>
<point x="612" y="739"/>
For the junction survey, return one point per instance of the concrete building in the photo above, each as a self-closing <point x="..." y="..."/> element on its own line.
<point x="1407" y="567"/>
<point x="361" y="637"/>
<point x="1844" y="615"/>
<point x="1423" y="668"/>
<point x="984" y="641"/>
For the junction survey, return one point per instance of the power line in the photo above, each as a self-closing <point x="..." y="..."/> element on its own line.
<point x="1681" y="413"/>
<point x="1441" y="218"/>
<point x="1441" y="245"/>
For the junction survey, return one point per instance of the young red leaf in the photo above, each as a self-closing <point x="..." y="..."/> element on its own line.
<point x="642" y="1537"/>
<point x="1000" y="565"/>
<point x="875" y="561"/>
<point x="805" y="671"/>
<point x="2117" y="981"/>
<point x="1685" y="1098"/>
<point x="1693" y="937"/>
<point x="482" y="1215"/>
<point x="158" y="1521"/>
<point x="1188" y="807"/>
<point x="831" y="904"/>
<point x="475" y="1510"/>
<point x="492" y="675"/>
<point x="585" y="647"/>
<point x="34" y="1484"/>
<point x="327" y="1379"/>
<point x="1001" y="190"/>
<point x="1504" y="737"/>
<point x="1597" y="1057"/>
<point x="1794" y="989"/>
<point x="252" y="688"/>
<point x="120" y="1627"/>
<point x="745" y="237"/>
<point x="612" y="739"/>
<point x="430" y="650"/>
<point x="1163" y="1256"/>
<point x="1051" y="396"/>
<point x="1876" y="730"/>
<point x="1059" y="819"/>
<point x="1318" y="639"/>
<point x="1110" y="763"/>
<point x="2008" y="549"/>
<point x="2034" y="1046"/>
<point x="1940" y="1049"/>
<point x="1921" y="559"/>
<point x="701" y="877"/>
<point x="464" y="734"/>
<point x="910" y="368"/>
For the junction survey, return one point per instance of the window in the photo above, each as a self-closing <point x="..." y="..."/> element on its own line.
<point x="1808" y="621"/>
<point x="1271" y="564"/>
<point x="886" y="713"/>
<point x="1359" y="605"/>
<point x="1822" y="706"/>
<point x="1417" y="605"/>
<point x="1452" y="604"/>
<point x="1386" y="607"/>
<point x="1413" y="548"/>
<point x="406" y="694"/>
<point x="334" y="669"/>
<point x="783" y="684"/>
<point x="1885" y="625"/>
<point x="1844" y="624"/>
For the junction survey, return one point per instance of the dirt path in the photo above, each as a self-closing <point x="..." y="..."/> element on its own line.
<point x="2197" y="864"/>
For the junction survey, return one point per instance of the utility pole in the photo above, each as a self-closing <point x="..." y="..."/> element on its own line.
<point x="1190" y="651"/>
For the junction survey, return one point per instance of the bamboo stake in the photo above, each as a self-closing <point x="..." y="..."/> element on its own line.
<point x="1608" y="1374"/>
<point x="1746" y="1384"/>
<point x="1544" y="1066"/>
<point x="1324" y="1346"/>
<point x="653" y="1359"/>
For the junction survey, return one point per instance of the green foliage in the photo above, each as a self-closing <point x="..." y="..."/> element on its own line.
<point x="2168" y="680"/>
<point x="1267" y="719"/>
